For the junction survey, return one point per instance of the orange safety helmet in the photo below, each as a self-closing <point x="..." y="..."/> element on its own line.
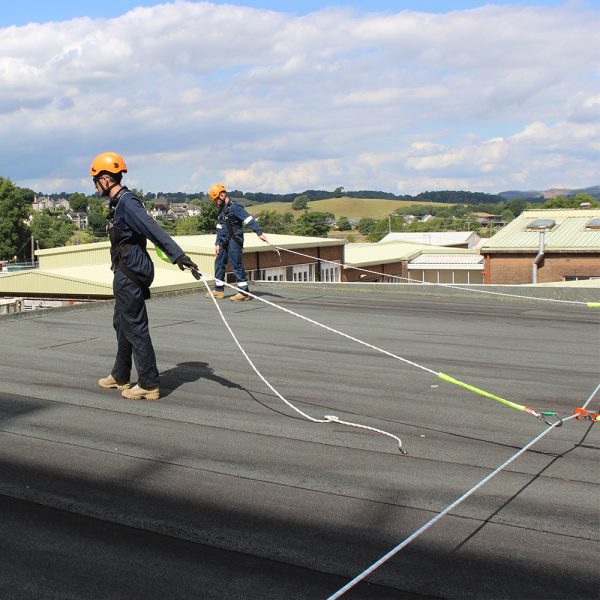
<point x="108" y="161"/>
<point x="215" y="190"/>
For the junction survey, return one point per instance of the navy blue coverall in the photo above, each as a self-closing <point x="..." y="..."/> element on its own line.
<point x="128" y="229"/>
<point x="230" y="236"/>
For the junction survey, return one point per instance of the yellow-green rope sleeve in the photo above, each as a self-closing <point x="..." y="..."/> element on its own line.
<point x="593" y="304"/>
<point x="472" y="388"/>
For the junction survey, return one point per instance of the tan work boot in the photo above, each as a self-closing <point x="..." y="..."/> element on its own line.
<point x="239" y="297"/>
<point x="139" y="393"/>
<point x="110" y="383"/>
<point x="218" y="294"/>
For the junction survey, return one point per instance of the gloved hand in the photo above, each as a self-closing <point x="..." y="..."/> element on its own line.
<point x="184" y="261"/>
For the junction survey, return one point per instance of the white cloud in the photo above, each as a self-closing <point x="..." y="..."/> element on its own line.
<point x="484" y="99"/>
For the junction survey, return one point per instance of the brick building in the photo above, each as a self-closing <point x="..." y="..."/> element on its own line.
<point x="405" y="262"/>
<point x="545" y="245"/>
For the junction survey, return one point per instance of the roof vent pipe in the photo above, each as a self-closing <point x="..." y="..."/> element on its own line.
<point x="538" y="257"/>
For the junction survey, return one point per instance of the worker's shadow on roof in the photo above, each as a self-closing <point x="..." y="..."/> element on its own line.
<point x="186" y="372"/>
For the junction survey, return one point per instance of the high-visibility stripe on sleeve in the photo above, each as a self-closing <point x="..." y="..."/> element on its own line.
<point x="219" y="226"/>
<point x="248" y="219"/>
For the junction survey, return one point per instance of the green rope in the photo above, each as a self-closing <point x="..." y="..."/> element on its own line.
<point x="472" y="388"/>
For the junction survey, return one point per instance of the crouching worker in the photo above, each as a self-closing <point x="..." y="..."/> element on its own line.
<point x="129" y="226"/>
<point x="229" y="246"/>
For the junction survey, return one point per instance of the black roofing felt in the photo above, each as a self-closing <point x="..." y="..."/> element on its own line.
<point x="220" y="490"/>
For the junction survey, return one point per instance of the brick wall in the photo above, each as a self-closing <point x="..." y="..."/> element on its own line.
<point x="516" y="268"/>
<point x="267" y="260"/>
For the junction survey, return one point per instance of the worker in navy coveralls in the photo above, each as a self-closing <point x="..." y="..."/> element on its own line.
<point x="129" y="226"/>
<point x="229" y="246"/>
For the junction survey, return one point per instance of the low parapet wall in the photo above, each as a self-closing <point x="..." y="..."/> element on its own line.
<point x="579" y="293"/>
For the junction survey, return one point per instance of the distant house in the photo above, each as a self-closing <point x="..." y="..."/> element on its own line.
<point x="193" y="210"/>
<point x="541" y="246"/>
<point x="159" y="210"/>
<point x="179" y="211"/>
<point x="41" y="203"/>
<point x="79" y="219"/>
<point x="487" y="219"/>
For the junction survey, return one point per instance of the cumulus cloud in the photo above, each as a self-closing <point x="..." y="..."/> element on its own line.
<point x="485" y="99"/>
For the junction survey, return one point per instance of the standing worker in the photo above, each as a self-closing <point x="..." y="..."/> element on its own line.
<point x="230" y="242"/>
<point x="129" y="226"/>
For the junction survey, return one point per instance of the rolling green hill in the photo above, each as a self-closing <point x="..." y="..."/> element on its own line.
<point x="343" y="207"/>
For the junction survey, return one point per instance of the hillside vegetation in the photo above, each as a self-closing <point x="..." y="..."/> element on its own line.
<point x="353" y="208"/>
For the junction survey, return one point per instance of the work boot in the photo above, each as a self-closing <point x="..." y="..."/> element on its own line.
<point x="218" y="294"/>
<point x="239" y="297"/>
<point x="110" y="383"/>
<point x="139" y="393"/>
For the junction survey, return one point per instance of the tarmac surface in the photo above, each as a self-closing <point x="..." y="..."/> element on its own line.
<point x="221" y="490"/>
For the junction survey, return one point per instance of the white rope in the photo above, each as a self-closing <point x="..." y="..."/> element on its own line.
<point x="326" y="418"/>
<point x="448" y="285"/>
<point x="592" y="395"/>
<point x="429" y="523"/>
<point x="454" y="504"/>
<point x="350" y="337"/>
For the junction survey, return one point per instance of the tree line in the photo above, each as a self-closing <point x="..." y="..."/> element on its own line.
<point x="18" y="222"/>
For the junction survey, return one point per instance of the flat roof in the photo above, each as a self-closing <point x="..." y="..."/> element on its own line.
<point x="221" y="486"/>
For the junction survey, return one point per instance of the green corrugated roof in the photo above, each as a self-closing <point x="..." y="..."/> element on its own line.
<point x="569" y="233"/>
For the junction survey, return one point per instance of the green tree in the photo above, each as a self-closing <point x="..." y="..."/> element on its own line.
<point x="81" y="236"/>
<point x="271" y="221"/>
<point x="507" y="216"/>
<point x="300" y="202"/>
<point x="314" y="224"/>
<point x="343" y="224"/>
<point x="378" y="231"/>
<point x="207" y="221"/>
<point x="97" y="215"/>
<point x="573" y="202"/>
<point x="516" y="206"/>
<point x="338" y="192"/>
<point x="78" y="202"/>
<point x="51" y="232"/>
<point x="365" y="225"/>
<point x="187" y="226"/>
<point x="14" y="210"/>
<point x="167" y="225"/>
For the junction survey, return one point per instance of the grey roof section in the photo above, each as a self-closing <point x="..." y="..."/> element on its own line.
<point x="569" y="233"/>
<point x="219" y="490"/>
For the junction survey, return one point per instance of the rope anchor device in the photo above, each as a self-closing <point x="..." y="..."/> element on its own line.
<point x="581" y="414"/>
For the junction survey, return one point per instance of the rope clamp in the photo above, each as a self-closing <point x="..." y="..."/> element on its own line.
<point x="581" y="414"/>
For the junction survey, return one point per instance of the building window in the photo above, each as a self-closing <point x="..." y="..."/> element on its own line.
<point x="301" y="273"/>
<point x="579" y="277"/>
<point x="274" y="274"/>
<point x="330" y="273"/>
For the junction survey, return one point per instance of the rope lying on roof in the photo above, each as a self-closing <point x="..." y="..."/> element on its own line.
<point x="452" y="506"/>
<point x="326" y="418"/>
<point x="538" y="414"/>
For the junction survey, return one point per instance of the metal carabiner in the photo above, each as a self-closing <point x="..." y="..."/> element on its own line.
<point x="547" y="413"/>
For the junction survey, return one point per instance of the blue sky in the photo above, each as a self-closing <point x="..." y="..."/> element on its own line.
<point x="281" y="97"/>
<point x="41" y="11"/>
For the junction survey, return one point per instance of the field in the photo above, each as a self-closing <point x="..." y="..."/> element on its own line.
<point x="342" y="207"/>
